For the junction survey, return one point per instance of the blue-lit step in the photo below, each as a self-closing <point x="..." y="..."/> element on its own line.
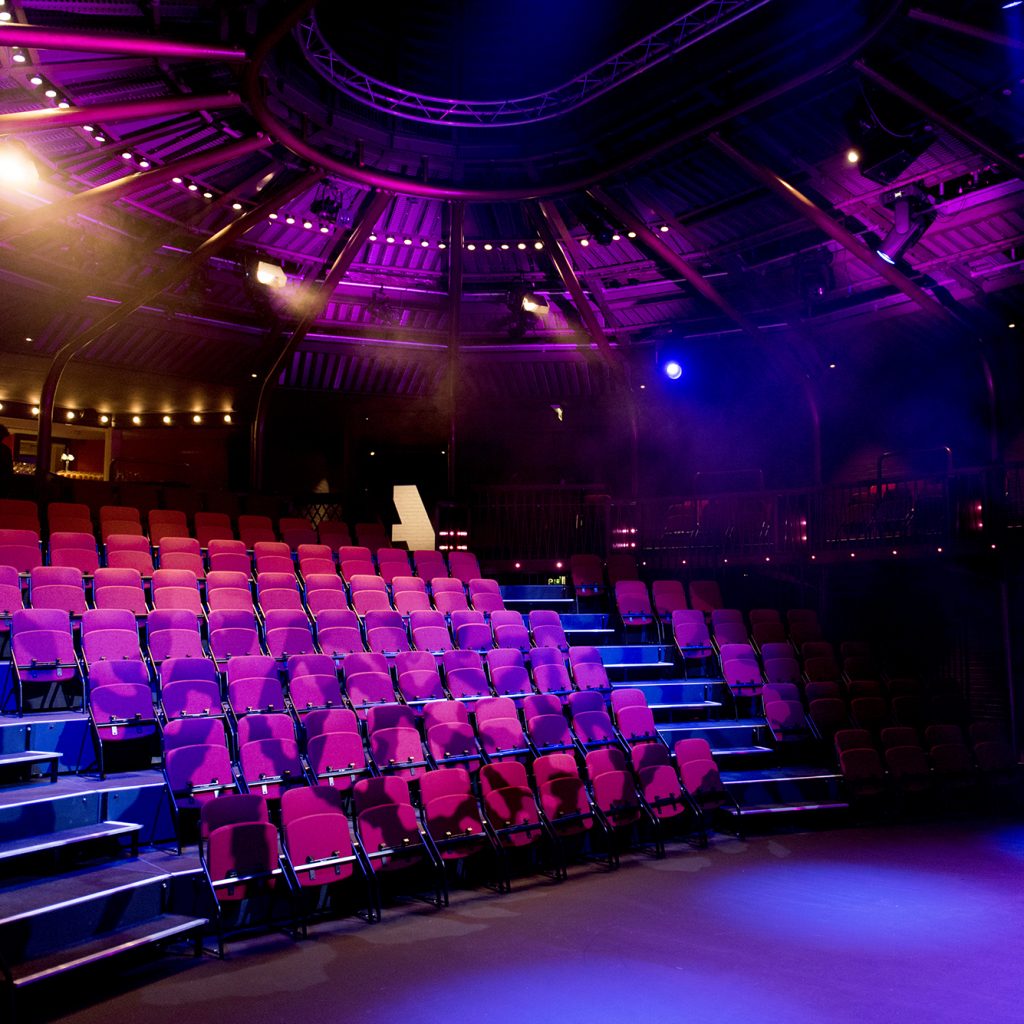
<point x="586" y="629"/>
<point x="726" y="737"/>
<point x="625" y="660"/>
<point x="684" y="694"/>
<point x="524" y="597"/>
<point x="792" y="790"/>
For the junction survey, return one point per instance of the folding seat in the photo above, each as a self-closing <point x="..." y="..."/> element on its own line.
<point x="390" y="834"/>
<point x="372" y="535"/>
<point x="212" y="526"/>
<point x="659" y="783"/>
<point x="450" y="737"/>
<point x="75" y="550"/>
<point x="429" y="565"/>
<point x="871" y="713"/>
<point x="172" y="633"/>
<point x="730" y="633"/>
<point x="795" y="615"/>
<point x="471" y="631"/>
<point x="11" y="597"/>
<point x="756" y="615"/>
<point x="465" y="676"/>
<point x="333" y="533"/>
<point x="782" y="670"/>
<point x="485" y="595"/>
<point x="591" y="724"/>
<point x="19" y="514"/>
<point x="189" y="688"/>
<point x="124" y="725"/>
<point x="338" y="633"/>
<point x="419" y="680"/>
<point x="287" y="632"/>
<point x="692" y="641"/>
<point x="109" y="634"/>
<point x="499" y="729"/>
<point x="392" y="563"/>
<point x="176" y="588"/>
<point x="786" y="720"/>
<point x="853" y="739"/>
<point x="367" y="682"/>
<point x="563" y="797"/>
<point x="626" y="697"/>
<point x="721" y="616"/>
<point x="451" y="815"/>
<point x="20" y="549"/>
<point x="317" y="849"/>
<point x="228" y="555"/>
<point x="536" y="704"/>
<point x="229" y="591"/>
<point x="166" y="523"/>
<point x="355" y="553"/>
<point x="828" y="715"/>
<point x="507" y="670"/>
<point x="781" y="691"/>
<point x="862" y="772"/>
<point x="633" y="604"/>
<point x="825" y="690"/>
<point x="588" y="671"/>
<point x="233" y="634"/>
<point x="464" y="565"/>
<point x="772" y="651"/>
<point x="187" y="732"/>
<point x="767" y="633"/>
<point x="549" y="672"/>
<point x="352" y="567"/>
<point x="197" y="771"/>
<point x="325" y="592"/>
<point x="820" y="670"/>
<point x="254" y="687"/>
<point x="818" y="649"/>
<point x="512" y="812"/>
<point x="394" y="740"/>
<point x="276" y="591"/>
<point x="996" y="758"/>
<point x="60" y="587"/>
<point x="272" y="556"/>
<point x="312" y="683"/>
<point x="434" y="639"/>
<point x="129" y="551"/>
<point x="667" y="596"/>
<point x="68" y="517"/>
<point x="119" y="519"/>
<point x="270" y="725"/>
<point x="705" y="595"/>
<point x="296" y="530"/>
<point x="182" y="553"/>
<point x="864" y="688"/>
<point x="510" y="631"/>
<point x="370" y="599"/>
<point x="857" y="667"/>
<point x="587" y="573"/>
<point x="549" y="732"/>
<point x="802" y="632"/>
<point x="448" y="595"/>
<point x="336" y="755"/>
<point x="270" y="766"/>
<point x="636" y="725"/>
<point x="616" y="798"/>
<point x="409" y="594"/>
<point x="253" y="530"/>
<point x="699" y="775"/>
<point x="316" y="560"/>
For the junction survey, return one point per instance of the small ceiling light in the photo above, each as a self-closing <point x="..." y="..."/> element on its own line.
<point x="373" y="453"/>
<point x="663" y="228"/>
<point x="18" y="57"/>
<point x="104" y="419"/>
<point x="177" y="181"/>
<point x="207" y="195"/>
<point x="1" y="406"/>
<point x="89" y="128"/>
<point x="406" y="241"/>
<point x="324" y="229"/>
<point x="100" y="138"/>
<point x="29" y="340"/>
<point x="35" y="410"/>
<point x="831" y="366"/>
<point x="273" y="216"/>
<point x="471" y="247"/>
<point x="70" y="414"/>
<point x="64" y="105"/>
<point x="1011" y="326"/>
<point x="227" y="417"/>
<point x="50" y="93"/>
<point x="144" y="164"/>
<point x="673" y="369"/>
<point x="17" y="167"/>
<point x="254" y="375"/>
<point x="390" y="239"/>
<point x="521" y="246"/>
<point x="584" y="242"/>
<point x="616" y="238"/>
<point x="137" y="420"/>
<point x="853" y="156"/>
<point x="5" y="15"/>
<point x="236" y="206"/>
<point x="504" y="246"/>
<point x="488" y="247"/>
<point x="289" y="220"/>
<point x="167" y="421"/>
<point x="197" y="418"/>
<point x="307" y="224"/>
<point x="271" y="274"/>
<point x="193" y="187"/>
<point x="373" y="238"/>
<point x="631" y="234"/>
<point x="126" y="156"/>
<point x="425" y="244"/>
<point x="441" y="245"/>
<point x="37" y="80"/>
<point x="538" y="245"/>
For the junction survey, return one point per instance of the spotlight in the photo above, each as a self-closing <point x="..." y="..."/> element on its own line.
<point x="144" y="164"/>
<point x="50" y="94"/>
<point x="1012" y="4"/>
<point x="17" y="167"/>
<point x="207" y="195"/>
<point x="911" y="218"/>
<point x="673" y="369"/>
<point x="471" y="247"/>
<point x="64" y="105"/>
<point x="89" y="128"/>
<point x="504" y="246"/>
<point x="35" y="410"/>
<point x="18" y="57"/>
<point x="167" y="421"/>
<point x="390" y="239"/>
<point x="584" y="242"/>
<point x="236" y="206"/>
<point x="193" y="187"/>
<point x="441" y="245"/>
<point x="227" y="418"/>
<point x="537" y="304"/>
<point x="197" y="418"/>
<point x="425" y="244"/>
<point x="137" y="420"/>
<point x="373" y="238"/>
<point x="521" y="246"/>
<point x="853" y="156"/>
<point x="271" y="274"/>
<point x="307" y="224"/>
<point x="538" y="245"/>
<point x="70" y="415"/>
<point x="104" y="419"/>
<point x="631" y="234"/>
<point x="663" y="228"/>
<point x="406" y="241"/>
<point x="5" y="15"/>
<point x="177" y="181"/>
<point x="36" y="80"/>
<point x="273" y="216"/>
<point x="289" y="220"/>
<point x="100" y="138"/>
<point x="488" y="247"/>
<point x="126" y="156"/>
<point x="324" y="229"/>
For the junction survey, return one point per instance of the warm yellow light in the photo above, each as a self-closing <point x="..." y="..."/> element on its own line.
<point x="227" y="417"/>
<point x="853" y="156"/>
<point x="35" y="410"/>
<point x="137" y="420"/>
<point x="167" y="420"/>
<point x="270" y="274"/>
<point x="104" y="420"/>
<point x="70" y="414"/>
<point x="197" y="418"/>
<point x="17" y="167"/>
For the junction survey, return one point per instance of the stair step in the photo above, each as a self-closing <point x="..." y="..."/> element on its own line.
<point x="27" y="758"/>
<point x="102" y="947"/>
<point x="762" y="809"/>
<point x="686" y="705"/>
<point x="717" y="752"/>
<point x="68" y="837"/>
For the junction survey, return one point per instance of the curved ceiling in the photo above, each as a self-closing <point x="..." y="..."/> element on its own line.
<point x="174" y="126"/>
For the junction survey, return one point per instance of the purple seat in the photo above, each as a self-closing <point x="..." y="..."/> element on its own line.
<point x="451" y="815"/>
<point x="465" y="676"/>
<point x="633" y="604"/>
<point x="393" y="563"/>
<point x="11" y="599"/>
<point x="177" y="588"/>
<point x="198" y="773"/>
<point x="338" y="634"/>
<point x="43" y="651"/>
<point x="587" y="572"/>
<point x="187" y="732"/>
<point x="122" y="714"/>
<point x="509" y="805"/>
<point x="429" y="565"/>
<point x="551" y="677"/>
<point x="787" y="721"/>
<point x="313" y="683"/>
<point x="109" y="634"/>
<point x="316" y="560"/>
<point x="510" y="631"/>
<point x="269" y="766"/>
<point x="549" y="733"/>
<point x="613" y="789"/>
<point x="61" y="588"/>
<point x="181" y="553"/>
<point x="464" y="565"/>
<point x="547" y="630"/>
<point x="668" y="597"/>
<point x="234" y="633"/>
<point x="164" y="523"/>
<point x="128" y="551"/>
<point x="225" y="554"/>
<point x="454" y="743"/>
<point x="227" y="590"/>
<point x="485" y="595"/>
<point x="296" y="531"/>
<point x="507" y="670"/>
<point x="119" y="588"/>
<point x="212" y="526"/>
<point x="563" y="797"/>
<point x="636" y="724"/>
<point x="246" y="850"/>
<point x="278" y="590"/>
<point x="189" y="688"/>
<point x="20" y="549"/>
<point x="75" y="550"/>
<point x="253" y="686"/>
<point x="699" y="774"/>
<point x="590" y="675"/>
<point x="337" y="759"/>
<point x="173" y="633"/>
<point x="471" y="631"/>
<point x="325" y="592"/>
<point x="288" y="632"/>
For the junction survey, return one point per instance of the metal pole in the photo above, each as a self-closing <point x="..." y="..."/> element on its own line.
<point x="649" y="239"/>
<point x="1007" y="159"/>
<point x="112" y="190"/>
<point x="46" y="38"/>
<point x="965" y="29"/>
<point x="135" y="110"/>
<point x="363" y="224"/>
<point x="455" y="242"/>
<point x="549" y="221"/>
<point x="212" y="246"/>
<point x="834" y="230"/>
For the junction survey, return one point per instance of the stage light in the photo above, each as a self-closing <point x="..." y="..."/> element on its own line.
<point x="17" y="167"/>
<point x="273" y="216"/>
<point x="488" y="247"/>
<point x="406" y="241"/>
<point x="373" y="238"/>
<point x="126" y="156"/>
<point x="35" y="410"/>
<point x="64" y="105"/>
<point x="911" y="218"/>
<point x="177" y="181"/>
<point x="271" y="274"/>
<point x="471" y="247"/>
<point x="100" y="138"/>
<point x="616" y="238"/>
<point x="504" y="246"/>
<point x="441" y="245"/>
<point x="37" y="80"/>
<point x="227" y="418"/>
<point x="104" y="419"/>
<point x="425" y="244"/>
<point x="137" y="420"/>
<point x="193" y="187"/>
<point x="663" y="228"/>
<point x="631" y="234"/>
<point x="89" y="128"/>
<point x="673" y="369"/>
<point x="538" y="245"/>
<point x="307" y="224"/>
<point x="390" y="239"/>
<point x="853" y="156"/>
<point x="167" y="421"/>
<point x="536" y="304"/>
<point x="324" y="229"/>
<point x="254" y="376"/>
<point x="236" y="206"/>
<point x="521" y="246"/>
<point x="197" y="418"/>
<point x="144" y="164"/>
<point x="18" y="57"/>
<point x="5" y="15"/>
<point x="50" y="94"/>
<point x="584" y="242"/>
<point x="289" y="220"/>
<point x="207" y="195"/>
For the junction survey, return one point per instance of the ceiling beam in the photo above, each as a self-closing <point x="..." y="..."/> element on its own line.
<point x="130" y="110"/>
<point x="51" y="38"/>
<point x="964" y="29"/>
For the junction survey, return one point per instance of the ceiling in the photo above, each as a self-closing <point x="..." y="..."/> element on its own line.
<point x="505" y="118"/>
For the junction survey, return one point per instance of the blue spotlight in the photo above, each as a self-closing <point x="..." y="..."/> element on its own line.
<point x="673" y="370"/>
<point x="1012" y="3"/>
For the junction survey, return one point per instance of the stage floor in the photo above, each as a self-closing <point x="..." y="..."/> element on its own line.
<point x="908" y="923"/>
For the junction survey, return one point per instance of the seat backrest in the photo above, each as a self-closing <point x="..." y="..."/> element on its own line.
<point x="382" y="791"/>
<point x="501" y="774"/>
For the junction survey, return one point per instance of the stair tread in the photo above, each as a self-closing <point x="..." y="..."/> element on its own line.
<point x="28" y="757"/>
<point x="103" y="946"/>
<point x="66" y="837"/>
<point x="781" y="808"/>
